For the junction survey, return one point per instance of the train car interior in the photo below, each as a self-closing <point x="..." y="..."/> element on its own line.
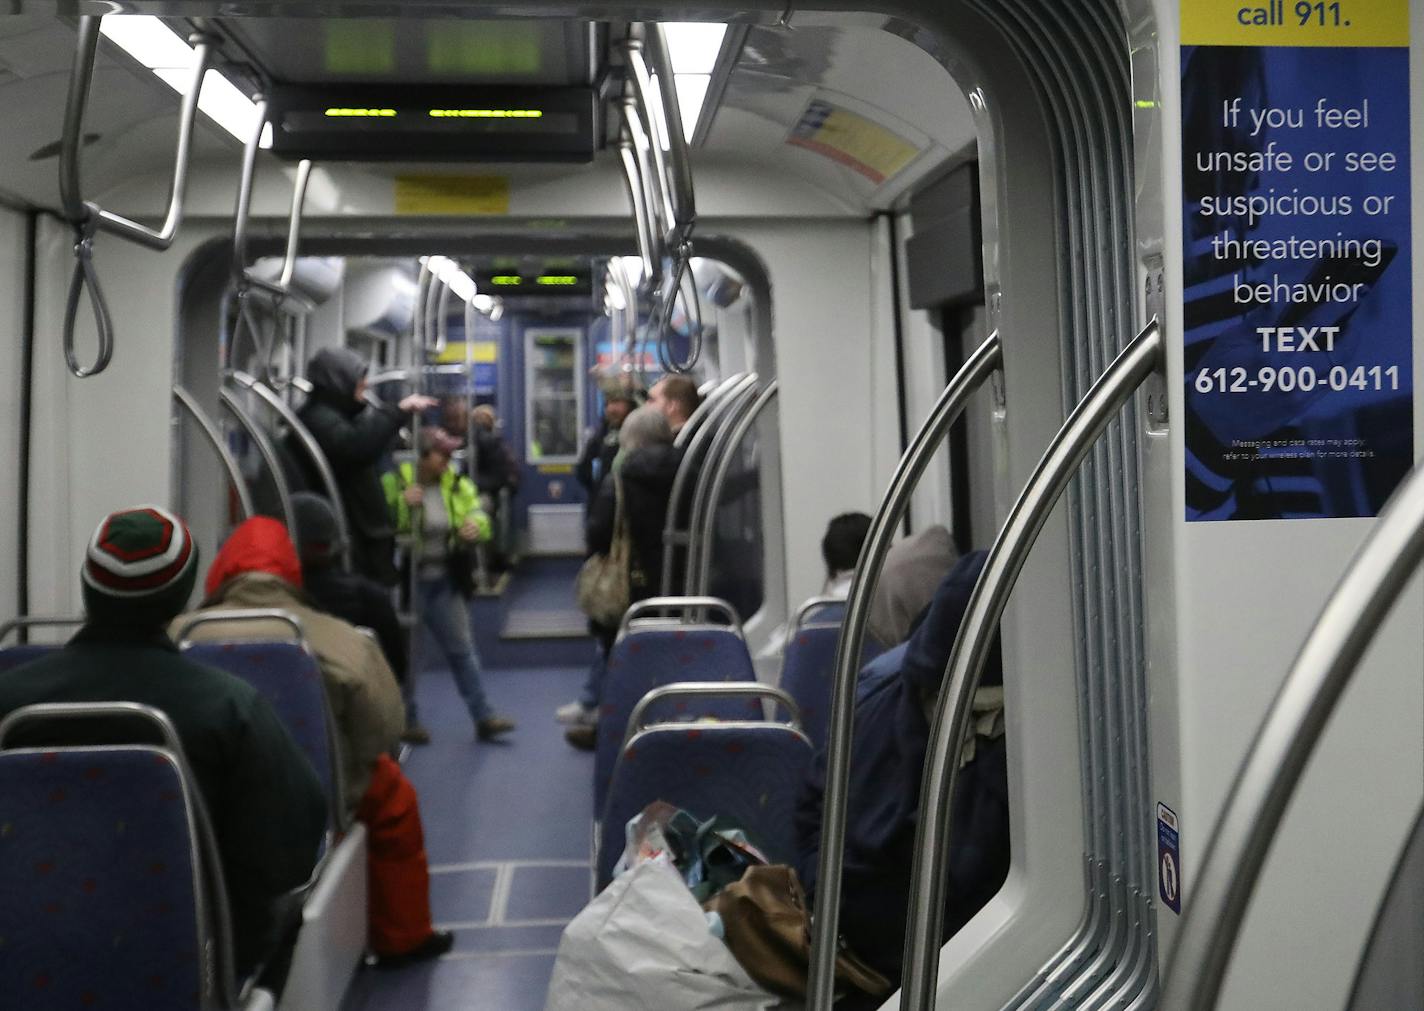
<point x="854" y="504"/>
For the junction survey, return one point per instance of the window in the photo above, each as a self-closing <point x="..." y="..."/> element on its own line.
<point x="553" y="395"/>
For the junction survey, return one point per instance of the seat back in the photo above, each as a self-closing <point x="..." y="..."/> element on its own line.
<point x="650" y="656"/>
<point x="749" y="773"/>
<point x="288" y="676"/>
<point x="807" y="667"/>
<point x="109" y="872"/>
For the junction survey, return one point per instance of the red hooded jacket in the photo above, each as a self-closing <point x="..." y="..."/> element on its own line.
<point x="260" y="544"/>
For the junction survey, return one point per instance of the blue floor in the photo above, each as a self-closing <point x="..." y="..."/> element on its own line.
<point x="507" y="834"/>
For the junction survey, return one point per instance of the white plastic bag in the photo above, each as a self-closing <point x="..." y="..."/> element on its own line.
<point x="643" y="945"/>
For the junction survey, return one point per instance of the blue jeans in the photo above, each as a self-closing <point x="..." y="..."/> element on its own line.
<point x="445" y="613"/>
<point x="592" y="692"/>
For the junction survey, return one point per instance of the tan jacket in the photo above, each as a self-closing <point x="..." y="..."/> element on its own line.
<point x="365" y="698"/>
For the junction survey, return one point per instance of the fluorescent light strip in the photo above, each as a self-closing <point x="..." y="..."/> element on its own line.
<point x="170" y="58"/>
<point x="693" y="46"/>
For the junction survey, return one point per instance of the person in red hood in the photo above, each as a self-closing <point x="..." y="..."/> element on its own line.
<point x="258" y="567"/>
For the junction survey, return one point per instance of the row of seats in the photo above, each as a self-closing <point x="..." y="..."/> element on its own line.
<point x="684" y="721"/>
<point x="286" y="673"/>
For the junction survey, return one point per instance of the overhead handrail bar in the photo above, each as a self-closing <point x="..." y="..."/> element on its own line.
<point x="314" y="453"/>
<point x="642" y="224"/>
<point x="673" y="538"/>
<point x="702" y="544"/>
<point x="442" y="316"/>
<point x="242" y="275"/>
<point x="643" y="129"/>
<point x="688" y="606"/>
<point x="711" y="689"/>
<point x="38" y="621"/>
<point x="234" y="473"/>
<point x="1287" y="738"/>
<point x="740" y="401"/>
<point x="1139" y="360"/>
<point x="975" y="371"/>
<point x="676" y="164"/>
<point x="268" y="452"/>
<point x="87" y="217"/>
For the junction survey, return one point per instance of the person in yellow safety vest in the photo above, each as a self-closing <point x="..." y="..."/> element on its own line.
<point x="447" y="523"/>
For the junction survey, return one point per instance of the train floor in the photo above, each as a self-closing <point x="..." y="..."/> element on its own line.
<point x="507" y="831"/>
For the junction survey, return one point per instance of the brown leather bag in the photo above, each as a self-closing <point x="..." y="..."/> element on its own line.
<point x="768" y="928"/>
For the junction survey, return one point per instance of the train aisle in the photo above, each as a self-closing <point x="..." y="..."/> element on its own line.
<point x="507" y="833"/>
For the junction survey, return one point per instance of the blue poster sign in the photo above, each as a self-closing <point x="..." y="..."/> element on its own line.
<point x="1296" y="259"/>
<point x="1169" y="859"/>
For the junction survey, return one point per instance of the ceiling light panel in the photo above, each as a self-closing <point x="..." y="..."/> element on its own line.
<point x="693" y="45"/>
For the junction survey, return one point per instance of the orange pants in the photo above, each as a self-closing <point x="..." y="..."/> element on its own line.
<point x="396" y="870"/>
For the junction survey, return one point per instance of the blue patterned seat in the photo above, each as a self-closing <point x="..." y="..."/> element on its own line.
<point x="13" y="656"/>
<point x="100" y="882"/>
<point x="807" y="667"/>
<point x="660" y="654"/>
<point x="749" y="774"/>
<point x="288" y="677"/>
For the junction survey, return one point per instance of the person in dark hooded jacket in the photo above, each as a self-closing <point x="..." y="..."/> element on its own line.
<point x="888" y="750"/>
<point x="353" y="435"/>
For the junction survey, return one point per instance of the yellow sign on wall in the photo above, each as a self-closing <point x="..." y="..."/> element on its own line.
<point x="1295" y="23"/>
<point x="452" y="195"/>
<point x="481" y="353"/>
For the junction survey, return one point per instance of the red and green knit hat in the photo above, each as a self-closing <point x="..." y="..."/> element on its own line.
<point x="140" y="567"/>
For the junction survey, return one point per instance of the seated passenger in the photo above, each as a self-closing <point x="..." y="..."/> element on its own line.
<point x="840" y="549"/>
<point x="263" y="798"/>
<point x="644" y="469"/>
<point x="913" y="569"/>
<point x="258" y="568"/>
<point x="350" y="596"/>
<point x="887" y="763"/>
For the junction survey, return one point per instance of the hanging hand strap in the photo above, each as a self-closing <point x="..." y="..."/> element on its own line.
<point x="85" y="276"/>
<point x="692" y="307"/>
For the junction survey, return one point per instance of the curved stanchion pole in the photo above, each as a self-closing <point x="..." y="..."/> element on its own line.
<point x="1266" y="781"/>
<point x="1006" y="560"/>
<point x="720" y="470"/>
<point x="739" y="400"/>
<point x="642" y="220"/>
<point x="313" y="450"/>
<point x="87" y="218"/>
<point x="826" y="921"/>
<point x="268" y="452"/>
<point x="702" y="424"/>
<point x="215" y="439"/>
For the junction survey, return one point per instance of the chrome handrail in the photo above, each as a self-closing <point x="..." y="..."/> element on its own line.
<point x="314" y="453"/>
<point x="268" y="452"/>
<point x="642" y="224"/>
<point x="88" y="217"/>
<point x="188" y="622"/>
<point x="737" y="402"/>
<point x="37" y="621"/>
<point x="707" y="689"/>
<point x="809" y="608"/>
<point x="704" y="426"/>
<point x="687" y="605"/>
<point x="676" y="166"/>
<point x="702" y="543"/>
<point x="214" y="437"/>
<point x="1284" y="743"/>
<point x="643" y="131"/>
<point x="975" y="371"/>
<point x="242" y="275"/>
<point x="1139" y="360"/>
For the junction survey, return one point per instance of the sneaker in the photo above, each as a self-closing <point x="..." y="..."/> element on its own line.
<point x="492" y="726"/>
<point x="437" y="944"/>
<point x="415" y="734"/>
<point x="576" y="714"/>
<point x="585" y="738"/>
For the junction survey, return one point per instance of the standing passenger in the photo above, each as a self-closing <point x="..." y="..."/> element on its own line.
<point x="644" y="471"/>
<point x="353" y="435"/>
<point x="262" y="795"/>
<point x="677" y="398"/>
<point x="446" y="516"/>
<point x="602" y="446"/>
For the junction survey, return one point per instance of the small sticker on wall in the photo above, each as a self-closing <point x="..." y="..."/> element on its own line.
<point x="1169" y="859"/>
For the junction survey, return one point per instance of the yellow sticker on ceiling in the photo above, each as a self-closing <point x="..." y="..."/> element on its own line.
<point x="452" y="195"/>
<point x="853" y="140"/>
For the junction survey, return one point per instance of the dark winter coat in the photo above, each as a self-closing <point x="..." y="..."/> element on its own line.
<point x="266" y="804"/>
<point x="888" y="757"/>
<point x="647" y="475"/>
<point x="354" y="436"/>
<point x="596" y="460"/>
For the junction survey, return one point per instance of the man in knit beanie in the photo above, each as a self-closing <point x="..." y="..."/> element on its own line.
<point x="263" y="798"/>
